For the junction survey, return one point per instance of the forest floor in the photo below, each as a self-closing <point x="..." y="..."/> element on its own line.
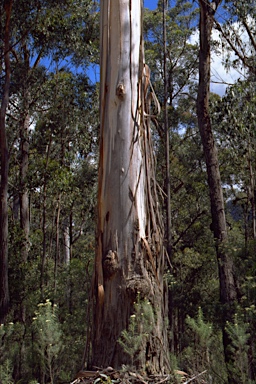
<point x="109" y="376"/>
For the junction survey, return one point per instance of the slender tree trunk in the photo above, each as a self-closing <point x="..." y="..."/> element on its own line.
<point x="252" y="192"/>
<point x="24" y="152"/>
<point x="20" y="310"/>
<point x="67" y="258"/>
<point x="167" y="141"/>
<point x="246" y="214"/>
<point x="57" y="239"/>
<point x="4" y="289"/>
<point x="24" y="198"/>
<point x="66" y="242"/>
<point x="15" y="206"/>
<point x="228" y="293"/>
<point x="71" y="237"/>
<point x="43" y="261"/>
<point x="129" y="259"/>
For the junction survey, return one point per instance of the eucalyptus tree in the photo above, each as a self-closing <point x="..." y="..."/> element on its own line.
<point x="61" y="180"/>
<point x="173" y="63"/>
<point x="228" y="293"/>
<point x="234" y="124"/>
<point x="62" y="143"/>
<point x="235" y="132"/>
<point x="129" y="259"/>
<point x="37" y="32"/>
<point x="172" y="60"/>
<point x="36" y="36"/>
<point x="4" y="157"/>
<point x="181" y="54"/>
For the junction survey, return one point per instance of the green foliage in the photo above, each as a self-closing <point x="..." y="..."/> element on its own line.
<point x="234" y="34"/>
<point x="201" y="329"/>
<point x="9" y="339"/>
<point x="73" y="291"/>
<point x="205" y="350"/>
<point x="181" y="55"/>
<point x="238" y="332"/>
<point x="141" y="322"/>
<point x="6" y="362"/>
<point x="48" y="338"/>
<point x="202" y="332"/>
<point x="6" y="372"/>
<point x="62" y="106"/>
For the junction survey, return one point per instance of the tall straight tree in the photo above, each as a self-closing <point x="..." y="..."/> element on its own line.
<point x="4" y="153"/>
<point x="167" y="137"/>
<point x="228" y="294"/>
<point x="129" y="257"/>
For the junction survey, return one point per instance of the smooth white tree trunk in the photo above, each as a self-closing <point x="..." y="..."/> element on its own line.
<point x="122" y="178"/>
<point x="129" y="256"/>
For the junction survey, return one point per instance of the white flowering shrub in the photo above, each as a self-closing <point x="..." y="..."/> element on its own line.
<point x="48" y="338"/>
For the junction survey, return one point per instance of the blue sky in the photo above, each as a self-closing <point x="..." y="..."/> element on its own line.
<point x="219" y="73"/>
<point x="94" y="70"/>
<point x="151" y="4"/>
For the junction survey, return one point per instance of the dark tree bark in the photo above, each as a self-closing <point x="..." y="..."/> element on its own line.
<point x="129" y="259"/>
<point x="228" y="294"/>
<point x="4" y="289"/>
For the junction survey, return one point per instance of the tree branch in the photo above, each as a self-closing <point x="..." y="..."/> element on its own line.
<point x="189" y="226"/>
<point x="194" y="377"/>
<point x="244" y="22"/>
<point x="244" y="58"/>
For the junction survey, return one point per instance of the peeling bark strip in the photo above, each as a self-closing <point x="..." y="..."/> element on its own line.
<point x="129" y="256"/>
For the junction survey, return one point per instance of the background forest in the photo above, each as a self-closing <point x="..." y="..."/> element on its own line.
<point x="51" y="122"/>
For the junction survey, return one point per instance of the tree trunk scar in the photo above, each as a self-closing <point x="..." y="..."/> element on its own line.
<point x="120" y="91"/>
